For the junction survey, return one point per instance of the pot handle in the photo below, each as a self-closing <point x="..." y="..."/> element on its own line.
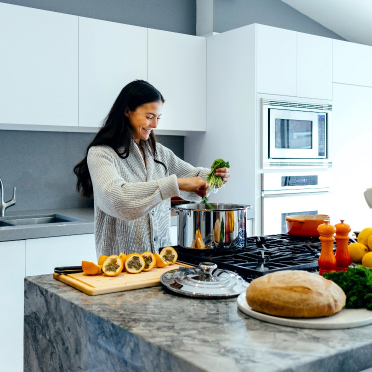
<point x="294" y="220"/>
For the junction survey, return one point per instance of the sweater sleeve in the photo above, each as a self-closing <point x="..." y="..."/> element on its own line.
<point x="182" y="169"/>
<point x="121" y="199"/>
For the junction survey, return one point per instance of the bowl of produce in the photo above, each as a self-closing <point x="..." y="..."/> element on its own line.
<point x="305" y="225"/>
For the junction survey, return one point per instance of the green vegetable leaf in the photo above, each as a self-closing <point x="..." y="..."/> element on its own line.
<point x="214" y="181"/>
<point x="356" y="282"/>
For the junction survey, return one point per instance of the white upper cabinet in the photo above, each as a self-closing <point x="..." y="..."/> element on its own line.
<point x="276" y="61"/>
<point x="38" y="67"/>
<point x="110" y="56"/>
<point x="314" y="66"/>
<point x="294" y="64"/>
<point x="177" y="68"/>
<point x="352" y="63"/>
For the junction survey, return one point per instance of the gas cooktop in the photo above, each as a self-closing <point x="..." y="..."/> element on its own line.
<point x="260" y="256"/>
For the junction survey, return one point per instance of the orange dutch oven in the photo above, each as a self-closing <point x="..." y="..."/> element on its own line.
<point x="305" y="225"/>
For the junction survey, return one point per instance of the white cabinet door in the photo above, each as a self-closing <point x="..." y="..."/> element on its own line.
<point x="12" y="300"/>
<point x="44" y="254"/>
<point x="38" y="67"/>
<point x="352" y="133"/>
<point x="352" y="63"/>
<point x="110" y="56"/>
<point x="177" y="68"/>
<point x="314" y="66"/>
<point x="276" y="60"/>
<point x="173" y="232"/>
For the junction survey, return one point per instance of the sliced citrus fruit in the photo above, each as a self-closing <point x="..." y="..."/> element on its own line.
<point x="169" y="255"/>
<point x="90" y="268"/>
<point x="113" y="265"/>
<point x="102" y="259"/>
<point x="134" y="263"/>
<point x="150" y="261"/>
<point x="160" y="262"/>
<point x="123" y="257"/>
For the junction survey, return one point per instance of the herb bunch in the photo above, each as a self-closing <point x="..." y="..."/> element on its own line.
<point x="215" y="182"/>
<point x="356" y="282"/>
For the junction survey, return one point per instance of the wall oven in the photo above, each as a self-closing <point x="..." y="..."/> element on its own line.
<point x="296" y="134"/>
<point x="285" y="194"/>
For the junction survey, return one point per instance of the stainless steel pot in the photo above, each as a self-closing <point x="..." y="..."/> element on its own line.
<point x="218" y="225"/>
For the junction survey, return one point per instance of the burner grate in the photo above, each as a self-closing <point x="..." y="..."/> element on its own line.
<point x="261" y="255"/>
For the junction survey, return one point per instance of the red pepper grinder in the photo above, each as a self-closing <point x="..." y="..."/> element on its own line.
<point x="327" y="259"/>
<point x="343" y="258"/>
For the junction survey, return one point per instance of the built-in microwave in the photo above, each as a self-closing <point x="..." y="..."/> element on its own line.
<point x="296" y="134"/>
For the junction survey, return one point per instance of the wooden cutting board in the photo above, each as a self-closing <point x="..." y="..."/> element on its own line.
<point x="101" y="284"/>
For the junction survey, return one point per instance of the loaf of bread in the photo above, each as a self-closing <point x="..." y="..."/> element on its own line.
<point x="296" y="294"/>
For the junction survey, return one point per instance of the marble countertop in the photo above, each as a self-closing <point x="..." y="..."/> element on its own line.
<point x="176" y="333"/>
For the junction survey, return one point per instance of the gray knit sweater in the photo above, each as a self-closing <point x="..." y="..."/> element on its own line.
<point x="132" y="200"/>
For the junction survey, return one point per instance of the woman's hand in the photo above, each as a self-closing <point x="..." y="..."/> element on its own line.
<point x="223" y="173"/>
<point x="193" y="184"/>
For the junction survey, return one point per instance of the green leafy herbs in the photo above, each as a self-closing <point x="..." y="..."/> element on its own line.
<point x="214" y="181"/>
<point x="356" y="282"/>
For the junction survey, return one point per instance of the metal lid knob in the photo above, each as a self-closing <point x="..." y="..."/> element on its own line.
<point x="208" y="268"/>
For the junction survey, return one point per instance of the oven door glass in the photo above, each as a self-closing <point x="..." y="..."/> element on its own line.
<point x="293" y="134"/>
<point x="276" y="207"/>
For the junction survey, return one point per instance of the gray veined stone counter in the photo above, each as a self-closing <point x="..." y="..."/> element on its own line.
<point x="153" y="330"/>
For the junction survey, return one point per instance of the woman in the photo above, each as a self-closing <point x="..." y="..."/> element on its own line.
<point x="132" y="177"/>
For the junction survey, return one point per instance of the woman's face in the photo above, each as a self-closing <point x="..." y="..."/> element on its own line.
<point x="144" y="119"/>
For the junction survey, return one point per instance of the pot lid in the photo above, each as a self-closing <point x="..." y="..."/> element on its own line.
<point x="204" y="281"/>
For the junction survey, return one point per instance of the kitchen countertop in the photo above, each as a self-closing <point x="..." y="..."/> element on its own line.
<point x="85" y="225"/>
<point x="154" y="330"/>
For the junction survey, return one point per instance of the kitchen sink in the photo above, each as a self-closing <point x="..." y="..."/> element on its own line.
<point x="2" y="223"/>
<point x="36" y="220"/>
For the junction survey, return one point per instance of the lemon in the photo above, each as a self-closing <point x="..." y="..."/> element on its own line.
<point x="369" y="243"/>
<point x="364" y="235"/>
<point x="367" y="260"/>
<point x="357" y="251"/>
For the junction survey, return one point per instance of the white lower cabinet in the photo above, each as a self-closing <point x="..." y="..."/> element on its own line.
<point x="44" y="254"/>
<point x="26" y="258"/>
<point x="11" y="321"/>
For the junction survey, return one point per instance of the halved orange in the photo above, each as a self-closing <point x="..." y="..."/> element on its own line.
<point x="90" y="268"/>
<point x="160" y="262"/>
<point x="134" y="263"/>
<point x="150" y="261"/>
<point x="123" y="257"/>
<point x="169" y="255"/>
<point x="102" y="259"/>
<point x="113" y="265"/>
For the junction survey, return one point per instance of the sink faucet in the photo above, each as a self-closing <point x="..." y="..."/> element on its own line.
<point x="8" y="204"/>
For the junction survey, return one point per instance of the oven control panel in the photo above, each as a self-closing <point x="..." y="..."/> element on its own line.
<point x="282" y="183"/>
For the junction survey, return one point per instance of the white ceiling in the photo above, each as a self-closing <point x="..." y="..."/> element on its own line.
<point x="351" y="19"/>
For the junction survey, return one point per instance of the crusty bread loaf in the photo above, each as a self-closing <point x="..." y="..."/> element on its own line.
<point x="297" y="294"/>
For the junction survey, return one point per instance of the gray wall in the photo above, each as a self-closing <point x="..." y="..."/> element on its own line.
<point x="230" y="14"/>
<point x="169" y="15"/>
<point x="40" y="165"/>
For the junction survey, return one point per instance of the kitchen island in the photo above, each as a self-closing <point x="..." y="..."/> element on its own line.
<point x="154" y="330"/>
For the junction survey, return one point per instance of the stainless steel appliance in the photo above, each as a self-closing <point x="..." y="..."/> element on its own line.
<point x="286" y="194"/>
<point x="296" y="134"/>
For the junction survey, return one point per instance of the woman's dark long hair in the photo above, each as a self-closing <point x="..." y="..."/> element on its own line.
<point x="116" y="131"/>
